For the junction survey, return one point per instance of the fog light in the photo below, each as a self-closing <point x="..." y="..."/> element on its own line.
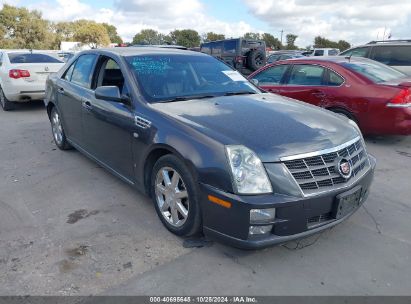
<point x="258" y="230"/>
<point x="262" y="215"/>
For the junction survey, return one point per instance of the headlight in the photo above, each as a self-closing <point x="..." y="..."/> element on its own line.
<point x="247" y="170"/>
<point x="354" y="124"/>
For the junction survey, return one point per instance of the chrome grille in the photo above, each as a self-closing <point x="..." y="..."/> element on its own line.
<point x="317" y="173"/>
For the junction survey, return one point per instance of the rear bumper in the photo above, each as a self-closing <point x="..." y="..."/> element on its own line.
<point x="293" y="215"/>
<point x="21" y="91"/>
<point x="393" y="120"/>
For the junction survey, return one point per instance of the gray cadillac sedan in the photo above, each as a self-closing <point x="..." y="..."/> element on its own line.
<point x="216" y="154"/>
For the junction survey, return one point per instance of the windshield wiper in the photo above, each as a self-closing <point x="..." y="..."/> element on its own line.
<point x="183" y="98"/>
<point x="239" y="93"/>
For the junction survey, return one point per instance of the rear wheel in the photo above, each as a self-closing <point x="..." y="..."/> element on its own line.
<point x="58" y="132"/>
<point x="6" y="105"/>
<point x="175" y="196"/>
<point x="345" y="113"/>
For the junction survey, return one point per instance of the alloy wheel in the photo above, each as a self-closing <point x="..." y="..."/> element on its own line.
<point x="57" y="128"/>
<point x="171" y="196"/>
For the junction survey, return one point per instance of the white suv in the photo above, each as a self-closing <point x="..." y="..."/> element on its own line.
<point x="23" y="76"/>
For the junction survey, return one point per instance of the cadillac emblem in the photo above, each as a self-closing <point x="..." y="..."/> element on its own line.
<point x="344" y="168"/>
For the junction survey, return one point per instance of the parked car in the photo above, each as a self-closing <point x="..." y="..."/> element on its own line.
<point x="23" y="76"/>
<point x="395" y="53"/>
<point x="244" y="55"/>
<point x="374" y="95"/>
<point x="323" y="52"/>
<point x="215" y="153"/>
<point x="65" y="56"/>
<point x="283" y="55"/>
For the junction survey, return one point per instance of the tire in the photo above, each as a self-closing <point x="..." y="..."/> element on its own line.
<point x="256" y="59"/>
<point x="57" y="130"/>
<point x="168" y="204"/>
<point x="6" y="105"/>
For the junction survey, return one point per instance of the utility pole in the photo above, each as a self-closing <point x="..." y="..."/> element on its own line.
<point x="282" y="31"/>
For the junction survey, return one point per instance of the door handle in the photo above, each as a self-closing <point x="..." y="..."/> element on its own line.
<point x="318" y="94"/>
<point x="86" y="104"/>
<point x="274" y="90"/>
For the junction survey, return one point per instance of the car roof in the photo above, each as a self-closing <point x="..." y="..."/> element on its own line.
<point x="285" y="52"/>
<point x="389" y="42"/>
<point x="135" y="51"/>
<point x="330" y="59"/>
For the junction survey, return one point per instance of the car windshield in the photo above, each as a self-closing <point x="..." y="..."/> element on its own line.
<point x="376" y="72"/>
<point x="32" y="58"/>
<point x="174" y="77"/>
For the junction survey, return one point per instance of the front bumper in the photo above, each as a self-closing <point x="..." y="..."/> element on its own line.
<point x="295" y="216"/>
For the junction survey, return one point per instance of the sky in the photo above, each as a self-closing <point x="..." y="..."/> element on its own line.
<point x="357" y="21"/>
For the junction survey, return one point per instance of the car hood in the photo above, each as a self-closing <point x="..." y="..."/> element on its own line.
<point x="272" y="126"/>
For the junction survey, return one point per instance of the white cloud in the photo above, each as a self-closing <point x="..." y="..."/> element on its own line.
<point x="132" y="16"/>
<point x="352" y="20"/>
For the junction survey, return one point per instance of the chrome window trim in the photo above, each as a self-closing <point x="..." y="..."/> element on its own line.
<point x="320" y="152"/>
<point x="315" y="85"/>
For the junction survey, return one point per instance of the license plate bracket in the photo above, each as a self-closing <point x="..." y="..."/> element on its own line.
<point x="347" y="202"/>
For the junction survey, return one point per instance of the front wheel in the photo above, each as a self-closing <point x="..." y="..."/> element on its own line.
<point x="175" y="196"/>
<point x="58" y="132"/>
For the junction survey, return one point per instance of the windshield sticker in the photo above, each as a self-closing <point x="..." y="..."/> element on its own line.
<point x="234" y="75"/>
<point x="150" y="65"/>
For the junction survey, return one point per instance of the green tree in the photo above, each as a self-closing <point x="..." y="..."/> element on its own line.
<point x="253" y="36"/>
<point x="112" y="33"/>
<point x="91" y="33"/>
<point x="271" y="41"/>
<point x="187" y="38"/>
<point x="21" y="28"/>
<point x="149" y="36"/>
<point x="211" y="36"/>
<point x="321" y="42"/>
<point x="343" y="45"/>
<point x="291" y="38"/>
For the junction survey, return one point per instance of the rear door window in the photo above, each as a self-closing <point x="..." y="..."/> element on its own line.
<point x="32" y="58"/>
<point x="206" y="48"/>
<point x="333" y="52"/>
<point x="83" y="70"/>
<point x="217" y="48"/>
<point x="357" y="52"/>
<point x="273" y="58"/>
<point x="272" y="75"/>
<point x="392" y="55"/>
<point x="307" y="75"/>
<point x="319" y="53"/>
<point x="230" y="47"/>
<point x="334" y="79"/>
<point x="69" y="72"/>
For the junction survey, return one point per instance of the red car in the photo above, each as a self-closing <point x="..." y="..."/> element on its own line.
<point x="372" y="94"/>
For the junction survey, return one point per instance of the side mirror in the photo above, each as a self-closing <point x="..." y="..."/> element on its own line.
<point x="255" y="81"/>
<point x="109" y="93"/>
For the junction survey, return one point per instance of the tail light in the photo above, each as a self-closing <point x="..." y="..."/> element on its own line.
<point x="401" y="100"/>
<point x="16" y="74"/>
<point x="239" y="59"/>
